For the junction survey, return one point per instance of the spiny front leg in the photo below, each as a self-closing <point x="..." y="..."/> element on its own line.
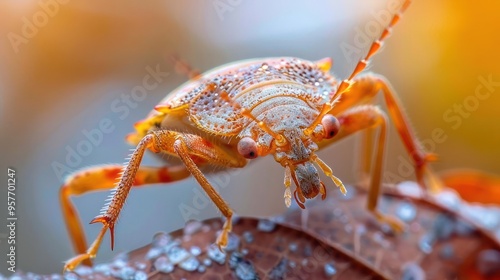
<point x="112" y="209"/>
<point x="189" y="148"/>
<point x="100" y="178"/>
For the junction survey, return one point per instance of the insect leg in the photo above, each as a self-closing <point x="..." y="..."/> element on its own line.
<point x="104" y="177"/>
<point x="111" y="210"/>
<point x="184" y="153"/>
<point x="189" y="148"/>
<point x="364" y="89"/>
<point x="366" y="156"/>
<point x="369" y="117"/>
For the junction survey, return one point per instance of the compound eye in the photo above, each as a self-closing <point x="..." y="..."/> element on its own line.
<point x="247" y="148"/>
<point x="331" y="126"/>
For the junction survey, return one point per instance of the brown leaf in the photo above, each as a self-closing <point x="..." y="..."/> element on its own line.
<point x="332" y="239"/>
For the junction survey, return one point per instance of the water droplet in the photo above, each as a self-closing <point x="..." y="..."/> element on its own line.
<point x="216" y="255"/>
<point x="266" y="225"/>
<point x="140" y="275"/>
<point x="449" y="199"/>
<point x="83" y="270"/>
<point x="292" y="264"/>
<point x="412" y="271"/>
<point x="330" y="269"/>
<point x="410" y="188"/>
<point x="177" y="254"/>
<point x="192" y="226"/>
<point x="190" y="264"/>
<point x="67" y="276"/>
<point x="426" y="242"/>
<point x="153" y="253"/>
<point x="233" y="242"/>
<point x="102" y="268"/>
<point x="120" y="261"/>
<point x="126" y="272"/>
<point x="205" y="228"/>
<point x="202" y="268"/>
<point x="207" y="262"/>
<point x="244" y="252"/>
<point x="360" y="229"/>
<point x="160" y="239"/>
<point x="245" y="271"/>
<point x="195" y="250"/>
<point x="52" y="277"/>
<point x="248" y="236"/>
<point x="293" y="247"/>
<point x="490" y="219"/>
<point x="162" y="264"/>
<point x="234" y="259"/>
<point x="447" y="252"/>
<point x="464" y="228"/>
<point x="406" y="211"/>
<point x="488" y="262"/>
<point x="443" y="226"/>
<point x="170" y="245"/>
<point x="140" y="265"/>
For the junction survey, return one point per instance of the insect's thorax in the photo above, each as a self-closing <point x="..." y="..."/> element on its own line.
<point x="285" y="93"/>
<point x="279" y="105"/>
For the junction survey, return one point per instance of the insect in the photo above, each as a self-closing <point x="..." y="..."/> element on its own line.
<point x="284" y="107"/>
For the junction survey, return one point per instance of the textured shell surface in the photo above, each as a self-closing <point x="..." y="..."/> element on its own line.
<point x="282" y="92"/>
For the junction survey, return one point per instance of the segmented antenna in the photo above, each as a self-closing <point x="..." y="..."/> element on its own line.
<point x="360" y="66"/>
<point x="183" y="68"/>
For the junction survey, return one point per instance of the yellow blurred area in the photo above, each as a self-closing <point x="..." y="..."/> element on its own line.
<point x="65" y="62"/>
<point x="446" y="48"/>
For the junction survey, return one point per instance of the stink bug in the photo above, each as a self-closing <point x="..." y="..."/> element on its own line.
<point x="284" y="107"/>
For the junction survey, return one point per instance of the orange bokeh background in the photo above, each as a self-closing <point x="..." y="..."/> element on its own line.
<point x="63" y="79"/>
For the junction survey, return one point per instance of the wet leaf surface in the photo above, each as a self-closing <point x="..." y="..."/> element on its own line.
<point x="332" y="239"/>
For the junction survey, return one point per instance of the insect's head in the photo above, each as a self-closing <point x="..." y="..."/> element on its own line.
<point x="295" y="151"/>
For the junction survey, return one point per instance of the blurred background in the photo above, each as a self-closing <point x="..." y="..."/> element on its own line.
<point x="65" y="65"/>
